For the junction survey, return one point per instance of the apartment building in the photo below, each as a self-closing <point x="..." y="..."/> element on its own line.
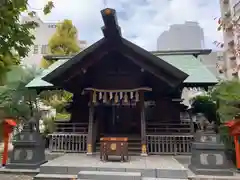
<point x="42" y="35"/>
<point x="213" y="61"/>
<point x="229" y="23"/>
<point x="182" y="36"/>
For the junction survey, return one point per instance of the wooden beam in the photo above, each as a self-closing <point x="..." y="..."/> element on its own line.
<point x="151" y="69"/>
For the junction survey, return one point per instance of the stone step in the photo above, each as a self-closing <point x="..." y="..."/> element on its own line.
<point x="55" y="177"/>
<point x="104" y="175"/>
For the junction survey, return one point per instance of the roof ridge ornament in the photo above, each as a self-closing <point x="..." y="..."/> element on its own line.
<point x="111" y="29"/>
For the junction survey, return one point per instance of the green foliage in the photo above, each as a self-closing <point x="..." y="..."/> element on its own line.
<point x="63" y="42"/>
<point x="57" y="99"/>
<point x="49" y="124"/>
<point x="65" y="39"/>
<point x="45" y="63"/>
<point x="16" y="38"/>
<point x="16" y="100"/>
<point x="227" y="96"/>
<point x="205" y="105"/>
<point x="62" y="116"/>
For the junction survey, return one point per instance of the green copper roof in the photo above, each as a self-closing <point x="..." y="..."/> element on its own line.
<point x="38" y="82"/>
<point x="197" y="71"/>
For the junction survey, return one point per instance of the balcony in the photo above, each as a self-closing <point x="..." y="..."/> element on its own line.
<point x="236" y="8"/>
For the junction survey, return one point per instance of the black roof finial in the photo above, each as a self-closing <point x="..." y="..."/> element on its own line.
<point x="110" y="28"/>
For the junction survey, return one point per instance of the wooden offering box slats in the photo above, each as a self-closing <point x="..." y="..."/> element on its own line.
<point x="114" y="146"/>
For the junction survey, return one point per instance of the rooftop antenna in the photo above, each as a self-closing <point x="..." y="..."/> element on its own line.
<point x="105" y="3"/>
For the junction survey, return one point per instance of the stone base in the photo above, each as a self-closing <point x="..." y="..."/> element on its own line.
<point x="89" y="153"/>
<point x="144" y="154"/>
<point x="212" y="172"/>
<point x="24" y="165"/>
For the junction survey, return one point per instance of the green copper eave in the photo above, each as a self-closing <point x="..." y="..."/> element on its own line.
<point x="38" y="82"/>
<point x="198" y="73"/>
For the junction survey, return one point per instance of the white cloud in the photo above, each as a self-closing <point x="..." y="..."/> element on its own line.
<point x="142" y="21"/>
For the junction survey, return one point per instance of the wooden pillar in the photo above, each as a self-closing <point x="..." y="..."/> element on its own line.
<point x="90" y="129"/>
<point x="143" y="126"/>
<point x="237" y="150"/>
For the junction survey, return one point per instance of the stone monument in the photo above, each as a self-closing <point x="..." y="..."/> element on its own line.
<point x="28" y="148"/>
<point x="208" y="154"/>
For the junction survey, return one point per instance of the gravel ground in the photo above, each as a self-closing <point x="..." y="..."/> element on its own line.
<point x="15" y="177"/>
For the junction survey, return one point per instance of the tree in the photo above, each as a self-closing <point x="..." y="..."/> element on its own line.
<point x="17" y="100"/>
<point x="205" y="105"/>
<point x="231" y="26"/>
<point x="63" y="42"/>
<point x="15" y="36"/>
<point x="227" y="96"/>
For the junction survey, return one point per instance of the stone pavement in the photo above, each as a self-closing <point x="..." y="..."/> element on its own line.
<point x="15" y="177"/>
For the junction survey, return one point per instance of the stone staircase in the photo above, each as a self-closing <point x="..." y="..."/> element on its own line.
<point x="105" y="175"/>
<point x="100" y="175"/>
<point x="80" y="167"/>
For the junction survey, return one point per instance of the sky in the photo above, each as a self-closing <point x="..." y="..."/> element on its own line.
<point x="141" y="21"/>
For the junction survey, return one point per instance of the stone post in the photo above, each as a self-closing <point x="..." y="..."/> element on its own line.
<point x="28" y="149"/>
<point x="208" y="155"/>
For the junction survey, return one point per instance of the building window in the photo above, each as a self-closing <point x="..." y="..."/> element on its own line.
<point x="35" y="49"/>
<point x="44" y="49"/>
<point x="52" y="26"/>
<point x="236" y="7"/>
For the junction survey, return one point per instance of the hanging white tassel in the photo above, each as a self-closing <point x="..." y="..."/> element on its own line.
<point x="105" y="97"/>
<point x="137" y="96"/>
<point x="110" y="95"/>
<point x="131" y="95"/>
<point x="125" y="97"/>
<point x="120" y="95"/>
<point x="100" y="95"/>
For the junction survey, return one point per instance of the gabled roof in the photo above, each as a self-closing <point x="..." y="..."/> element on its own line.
<point x="113" y="41"/>
<point x="197" y="71"/>
<point x="39" y="82"/>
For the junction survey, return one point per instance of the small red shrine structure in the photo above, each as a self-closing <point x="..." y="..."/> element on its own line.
<point x="234" y="130"/>
<point x="8" y="128"/>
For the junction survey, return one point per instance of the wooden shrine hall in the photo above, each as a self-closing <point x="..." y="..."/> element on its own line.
<point x="122" y="90"/>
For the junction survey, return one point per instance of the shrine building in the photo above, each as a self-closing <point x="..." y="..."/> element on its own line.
<point x="121" y="90"/>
